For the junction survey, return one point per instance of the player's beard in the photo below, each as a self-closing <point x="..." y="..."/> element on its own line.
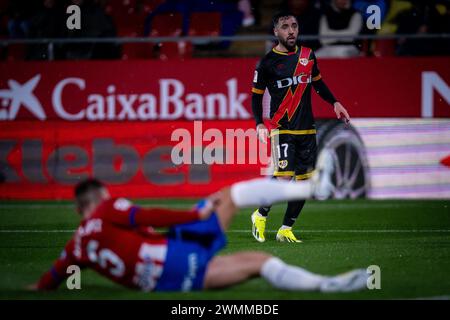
<point x="286" y="44"/>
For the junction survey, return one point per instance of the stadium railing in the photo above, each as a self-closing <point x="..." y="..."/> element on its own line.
<point x="202" y="40"/>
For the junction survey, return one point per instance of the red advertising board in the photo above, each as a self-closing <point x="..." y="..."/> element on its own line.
<point x="63" y="121"/>
<point x="134" y="159"/>
<point x="209" y="89"/>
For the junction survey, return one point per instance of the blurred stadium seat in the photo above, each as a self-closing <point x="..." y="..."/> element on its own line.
<point x="384" y="47"/>
<point x="204" y="24"/>
<point x="134" y="50"/>
<point x="129" y="18"/>
<point x="168" y="25"/>
<point x="16" y="52"/>
<point x="148" y="6"/>
<point x="121" y="11"/>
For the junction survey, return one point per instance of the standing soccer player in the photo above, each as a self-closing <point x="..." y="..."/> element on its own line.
<point x="288" y="71"/>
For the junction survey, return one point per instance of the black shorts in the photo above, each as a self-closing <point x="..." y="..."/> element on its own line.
<point x="294" y="155"/>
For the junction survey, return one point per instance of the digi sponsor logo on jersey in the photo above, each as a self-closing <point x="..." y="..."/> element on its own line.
<point x="287" y="82"/>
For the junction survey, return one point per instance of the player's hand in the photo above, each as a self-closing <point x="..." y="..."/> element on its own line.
<point x="209" y="207"/>
<point x="340" y="111"/>
<point x="262" y="132"/>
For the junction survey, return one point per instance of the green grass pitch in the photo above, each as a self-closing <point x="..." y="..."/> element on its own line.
<point x="408" y="240"/>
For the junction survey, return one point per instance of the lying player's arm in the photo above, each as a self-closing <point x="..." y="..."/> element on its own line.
<point x="58" y="272"/>
<point x="122" y="212"/>
<point x="161" y="217"/>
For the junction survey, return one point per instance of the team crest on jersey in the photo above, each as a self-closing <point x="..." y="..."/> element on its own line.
<point x="304" y="61"/>
<point x="282" y="164"/>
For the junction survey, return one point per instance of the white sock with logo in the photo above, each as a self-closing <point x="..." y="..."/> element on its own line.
<point x="287" y="277"/>
<point x="264" y="192"/>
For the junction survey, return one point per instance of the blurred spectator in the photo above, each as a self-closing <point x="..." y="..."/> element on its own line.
<point x="47" y="22"/>
<point x="3" y="20"/>
<point x="169" y="6"/>
<point x="257" y="6"/>
<point x="231" y="17"/>
<point x="95" y="23"/>
<point x="362" y="5"/>
<point x="443" y="44"/>
<point x="423" y="18"/>
<point x="371" y="46"/>
<point x="339" y="19"/>
<point x="389" y="25"/>
<point x="245" y="7"/>
<point x="308" y="17"/>
<point x="3" y="32"/>
<point x="20" y="13"/>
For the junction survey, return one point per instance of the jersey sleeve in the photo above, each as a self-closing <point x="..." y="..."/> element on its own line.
<point x="58" y="272"/>
<point x="259" y="79"/>
<point x="316" y="76"/>
<point x="123" y="212"/>
<point x="319" y="85"/>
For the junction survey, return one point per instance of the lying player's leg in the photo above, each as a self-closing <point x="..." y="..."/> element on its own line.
<point x="232" y="269"/>
<point x="256" y="192"/>
<point x="267" y="191"/>
<point x="263" y="192"/>
<point x="198" y="242"/>
<point x="228" y="270"/>
<point x="225" y="208"/>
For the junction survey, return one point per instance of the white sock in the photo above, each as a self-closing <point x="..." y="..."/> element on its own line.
<point x="287" y="277"/>
<point x="264" y="192"/>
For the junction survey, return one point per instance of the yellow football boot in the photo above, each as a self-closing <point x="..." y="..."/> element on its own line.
<point x="258" y="226"/>
<point x="286" y="235"/>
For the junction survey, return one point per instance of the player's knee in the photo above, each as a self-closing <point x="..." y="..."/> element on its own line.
<point x="262" y="256"/>
<point x="258" y="257"/>
<point x="225" y="202"/>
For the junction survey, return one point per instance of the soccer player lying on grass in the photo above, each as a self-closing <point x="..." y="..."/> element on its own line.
<point x="116" y="239"/>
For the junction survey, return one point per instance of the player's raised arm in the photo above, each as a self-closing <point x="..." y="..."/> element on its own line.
<point x="58" y="272"/>
<point x="325" y="93"/>
<point x="124" y="213"/>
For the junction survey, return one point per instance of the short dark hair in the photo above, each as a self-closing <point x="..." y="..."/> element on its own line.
<point x="281" y="14"/>
<point x="86" y="186"/>
<point x="87" y="192"/>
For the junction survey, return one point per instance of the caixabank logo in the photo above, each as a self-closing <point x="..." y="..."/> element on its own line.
<point x="20" y="96"/>
<point x="89" y="101"/>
